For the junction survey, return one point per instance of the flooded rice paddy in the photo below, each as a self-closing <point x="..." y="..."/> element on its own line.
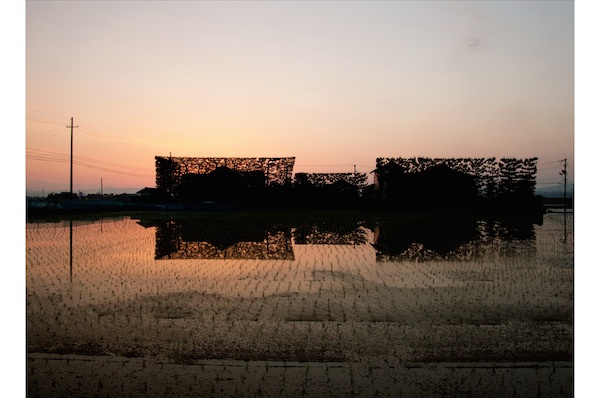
<point x="300" y="304"/>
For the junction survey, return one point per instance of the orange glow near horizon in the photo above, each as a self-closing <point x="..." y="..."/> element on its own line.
<point x="335" y="85"/>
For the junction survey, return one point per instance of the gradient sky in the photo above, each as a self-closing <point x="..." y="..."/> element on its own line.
<point x="335" y="84"/>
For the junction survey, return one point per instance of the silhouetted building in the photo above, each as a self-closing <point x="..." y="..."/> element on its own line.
<point x="147" y="192"/>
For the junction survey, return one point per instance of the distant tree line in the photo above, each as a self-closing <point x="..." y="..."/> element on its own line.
<point x="400" y="183"/>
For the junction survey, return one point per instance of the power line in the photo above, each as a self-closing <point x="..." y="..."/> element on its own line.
<point x="551" y="184"/>
<point x="555" y="161"/>
<point x="95" y="133"/>
<point x="43" y="120"/>
<point x="56" y="155"/>
<point x="62" y="159"/>
<point x="104" y="136"/>
<point x="92" y="167"/>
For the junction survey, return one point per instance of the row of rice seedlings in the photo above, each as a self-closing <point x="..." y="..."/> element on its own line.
<point x="46" y="246"/>
<point x="364" y="295"/>
<point x="255" y="287"/>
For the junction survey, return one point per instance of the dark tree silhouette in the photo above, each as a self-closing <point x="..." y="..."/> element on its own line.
<point x="222" y="185"/>
<point x="328" y="189"/>
<point x="440" y="183"/>
<point x="170" y="170"/>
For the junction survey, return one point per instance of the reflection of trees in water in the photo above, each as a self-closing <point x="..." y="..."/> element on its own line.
<point x="453" y="238"/>
<point x="211" y="239"/>
<point x="251" y="238"/>
<point x="414" y="237"/>
<point x="274" y="247"/>
<point x="168" y="239"/>
<point x="324" y="234"/>
<point x="407" y="237"/>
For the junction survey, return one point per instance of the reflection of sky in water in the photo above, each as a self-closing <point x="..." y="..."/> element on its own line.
<point x="116" y="260"/>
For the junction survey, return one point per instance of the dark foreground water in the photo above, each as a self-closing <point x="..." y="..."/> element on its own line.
<point x="234" y="304"/>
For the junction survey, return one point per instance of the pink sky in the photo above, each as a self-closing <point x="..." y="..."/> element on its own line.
<point x="335" y="84"/>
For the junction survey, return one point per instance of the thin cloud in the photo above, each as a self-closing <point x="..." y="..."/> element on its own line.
<point x="474" y="42"/>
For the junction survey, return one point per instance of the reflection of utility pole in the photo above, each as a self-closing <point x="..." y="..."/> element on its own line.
<point x="71" y="250"/>
<point x="72" y="127"/>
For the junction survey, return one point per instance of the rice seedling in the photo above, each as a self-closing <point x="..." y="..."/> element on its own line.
<point x="345" y="286"/>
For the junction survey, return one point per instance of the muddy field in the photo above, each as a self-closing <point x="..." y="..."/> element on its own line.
<point x="240" y="304"/>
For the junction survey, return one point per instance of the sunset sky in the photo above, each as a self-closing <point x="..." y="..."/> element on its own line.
<point x="335" y="84"/>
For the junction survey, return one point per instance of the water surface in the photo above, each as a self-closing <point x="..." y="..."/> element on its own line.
<point x="302" y="287"/>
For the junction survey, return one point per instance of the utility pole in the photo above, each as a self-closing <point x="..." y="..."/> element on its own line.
<point x="564" y="173"/>
<point x="72" y="127"/>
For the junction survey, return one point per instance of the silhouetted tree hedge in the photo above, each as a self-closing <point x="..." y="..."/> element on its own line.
<point x="222" y="185"/>
<point x="170" y="170"/>
<point x="61" y="196"/>
<point x="168" y="174"/>
<point x="462" y="182"/>
<point x="328" y="189"/>
<point x="411" y="183"/>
